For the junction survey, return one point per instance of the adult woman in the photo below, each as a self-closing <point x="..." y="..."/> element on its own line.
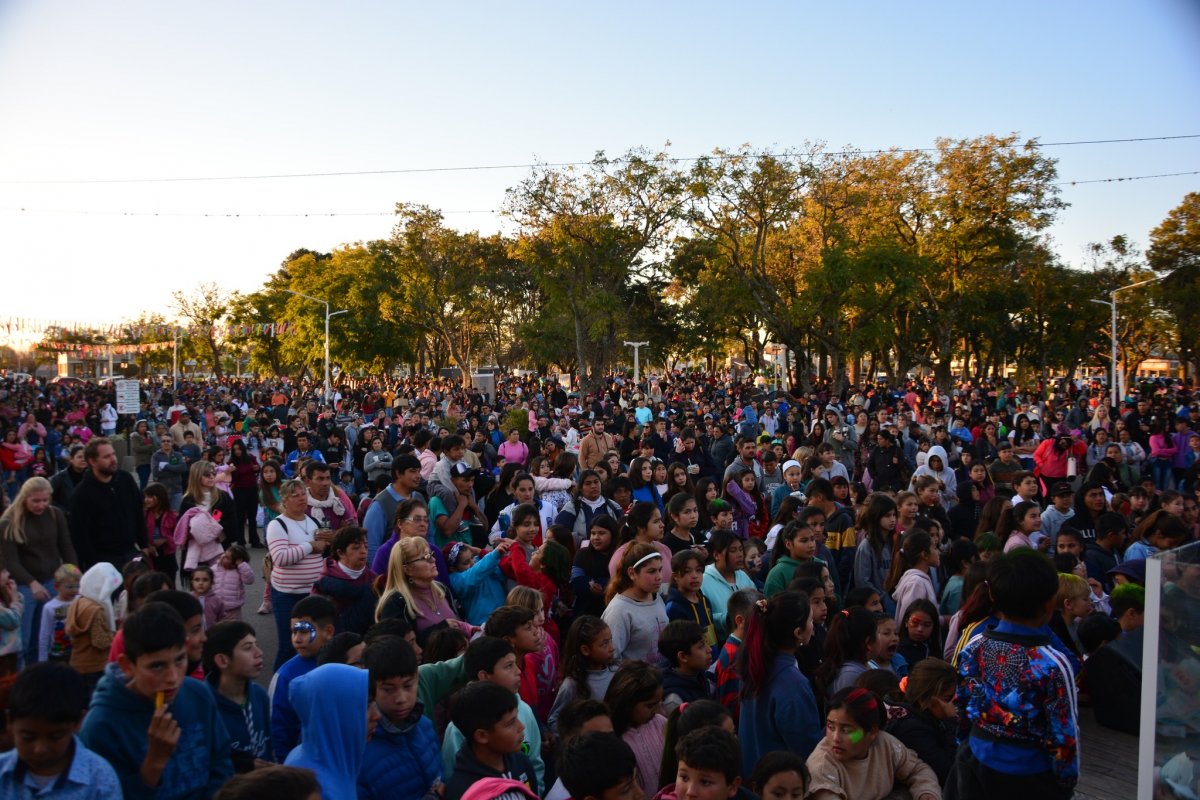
<point x="143" y="446"/>
<point x="202" y="491"/>
<point x="34" y="542"/>
<point x="1025" y="439"/>
<point x="297" y="548"/>
<point x="377" y="462"/>
<point x="412" y="590"/>
<point x="245" y="489"/>
<point x="269" y="483"/>
<point x="412" y="521"/>
<point x="514" y="450"/>
<point x="65" y="480"/>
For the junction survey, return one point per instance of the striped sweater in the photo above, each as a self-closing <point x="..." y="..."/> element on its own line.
<point x="295" y="567"/>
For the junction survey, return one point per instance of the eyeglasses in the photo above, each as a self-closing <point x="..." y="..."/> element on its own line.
<point x="427" y="557"/>
<point x="209" y="474"/>
<point x="421" y="520"/>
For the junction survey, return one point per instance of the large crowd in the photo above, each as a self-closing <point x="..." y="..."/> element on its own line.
<point x="691" y="587"/>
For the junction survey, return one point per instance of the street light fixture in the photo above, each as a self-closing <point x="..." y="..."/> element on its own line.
<point x="637" y="348"/>
<point x="328" y="314"/>
<point x="1118" y="392"/>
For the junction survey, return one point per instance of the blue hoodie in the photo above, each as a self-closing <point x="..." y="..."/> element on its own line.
<point x="481" y="589"/>
<point x="285" y="725"/>
<point x="331" y="702"/>
<point x="248" y="725"/>
<point x="115" y="729"/>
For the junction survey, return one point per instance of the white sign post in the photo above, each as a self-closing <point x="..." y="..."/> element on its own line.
<point x="128" y="399"/>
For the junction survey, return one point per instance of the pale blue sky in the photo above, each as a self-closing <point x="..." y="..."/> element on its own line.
<point x="150" y="89"/>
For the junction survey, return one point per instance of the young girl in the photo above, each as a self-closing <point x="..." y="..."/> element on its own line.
<point x="556" y="484"/>
<point x="269" y="481"/>
<point x="796" y="545"/>
<point x="92" y="622"/>
<point x="679" y="481"/>
<point x="683" y="720"/>
<point x="686" y="602"/>
<point x="858" y="759"/>
<point x="202" y="590"/>
<point x="784" y="513"/>
<point x="887" y="644"/>
<point x="660" y="478"/>
<point x="587" y="665"/>
<point x="1074" y="603"/>
<point x="12" y="606"/>
<point x="809" y="657"/>
<point x="852" y="642"/>
<point x="547" y="572"/>
<point x="929" y="502"/>
<point x="780" y="776"/>
<point x="524" y="528"/>
<point x="741" y="494"/>
<point x="644" y="524"/>
<point x="907" y="507"/>
<point x="682" y="514"/>
<point x="909" y="578"/>
<point x="478" y="583"/>
<point x="961" y="556"/>
<point x="873" y="558"/>
<point x="231" y="575"/>
<point x="160" y="529"/>
<point x="589" y="573"/>
<point x="778" y="709"/>
<point x="636" y="613"/>
<point x="706" y="492"/>
<point x="539" y="673"/>
<point x="925" y="721"/>
<point x="633" y="698"/>
<point x="1018" y="525"/>
<point x="920" y="631"/>
<point x="641" y="480"/>
<point x="756" y="561"/>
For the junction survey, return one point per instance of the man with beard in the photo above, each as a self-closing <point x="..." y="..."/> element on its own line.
<point x="106" y="510"/>
<point x="593" y="446"/>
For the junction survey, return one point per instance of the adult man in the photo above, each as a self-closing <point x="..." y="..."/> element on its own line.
<point x="593" y="446"/>
<point x="303" y="451"/>
<point x="106" y="510"/>
<point x="183" y="425"/>
<point x="745" y="460"/>
<point x="327" y="504"/>
<point x="380" y="518"/>
<point x="886" y="463"/>
<point x="1138" y="421"/>
<point x="643" y="415"/>
<point x="168" y="467"/>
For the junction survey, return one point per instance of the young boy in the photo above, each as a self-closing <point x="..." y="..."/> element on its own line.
<point x="1128" y="603"/>
<point x="577" y="718"/>
<point x="710" y="765"/>
<point x="1017" y="694"/>
<point x="312" y="626"/>
<point x="232" y="663"/>
<point x="402" y="758"/>
<point x="683" y="646"/>
<point x="45" y="710"/>
<point x="53" y="642"/>
<point x="1166" y="534"/>
<point x="1061" y="510"/>
<point x="721" y="514"/>
<point x="1025" y="484"/>
<point x="492" y="660"/>
<point x="348" y="581"/>
<point x="599" y="766"/>
<point x="487" y="714"/>
<point x="728" y="684"/>
<point x="1101" y="554"/>
<point x="159" y="730"/>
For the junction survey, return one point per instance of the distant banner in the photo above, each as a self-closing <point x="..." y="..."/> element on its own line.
<point x="18" y="327"/>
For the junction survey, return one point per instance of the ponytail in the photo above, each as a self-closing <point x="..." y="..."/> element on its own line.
<point x="850" y="633"/>
<point x="637" y="519"/>
<point x="914" y="545"/>
<point x="621" y="580"/>
<point x="770" y="629"/>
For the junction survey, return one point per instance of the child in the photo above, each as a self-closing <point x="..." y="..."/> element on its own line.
<point x="477" y="583"/>
<point x="851" y="644"/>
<point x="1025" y="484"/>
<point x="45" y="710"/>
<point x="202" y="584"/>
<point x="708" y="765"/>
<point x="492" y="660"/>
<point x="634" y="698"/>
<point x="685" y="601"/>
<point x="403" y="757"/>
<point x="858" y="759"/>
<point x="487" y="715"/>
<point x="756" y="561"/>
<point x="643" y="525"/>
<point x="866" y="597"/>
<point x="1074" y="603"/>
<point x="129" y="575"/>
<point x="232" y="663"/>
<point x="161" y="732"/>
<point x="924" y="722"/>
<point x="795" y="545"/>
<point x="1128" y="603"/>
<point x="721" y="514"/>
<point x="598" y="766"/>
<point x="587" y="665"/>
<point x="1061" y="510"/>
<point x="744" y="500"/>
<point x="290" y="783"/>
<point x="539" y="668"/>
<point x="873" y="556"/>
<point x="160" y="529"/>
<point x="53" y="642"/>
<point x="780" y="776"/>
<point x="920" y="632"/>
<point x="635" y="612"/>
<point x="1016" y="693"/>
<point x="589" y="573"/>
<point x="348" y="581"/>
<point x="810" y="656"/>
<point x="91" y="621"/>
<point x="547" y="572"/>
<point x="779" y="710"/>
<point x="333" y="707"/>
<point x="231" y="574"/>
<point x="728" y="682"/>
<point x="887" y="643"/>
<point x="1163" y="531"/>
<point x="961" y="555"/>
<point x="683" y="646"/>
<point x="682" y="515"/>
<point x="989" y="546"/>
<point x="909" y="579"/>
<point x="1023" y="522"/>
<point x="682" y="721"/>
<point x="311" y="626"/>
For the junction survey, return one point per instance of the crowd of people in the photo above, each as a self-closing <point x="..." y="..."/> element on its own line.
<point x="689" y="587"/>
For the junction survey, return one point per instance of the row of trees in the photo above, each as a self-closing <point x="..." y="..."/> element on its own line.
<point x="878" y="261"/>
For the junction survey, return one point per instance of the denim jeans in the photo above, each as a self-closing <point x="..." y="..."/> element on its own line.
<point x="1161" y="469"/>
<point x="31" y="620"/>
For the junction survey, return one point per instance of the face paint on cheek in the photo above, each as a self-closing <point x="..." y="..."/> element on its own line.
<point x="856" y="736"/>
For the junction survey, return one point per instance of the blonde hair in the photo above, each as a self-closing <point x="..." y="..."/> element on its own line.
<point x="14" y="515"/>
<point x="194" y="488"/>
<point x="405" y="550"/>
<point x="1072" y="587"/>
<point x="526" y="597"/>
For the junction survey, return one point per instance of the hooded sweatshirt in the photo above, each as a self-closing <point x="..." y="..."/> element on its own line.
<point x="248" y="725"/>
<point x="331" y="702"/>
<point x="913" y="585"/>
<point x="91" y="621"/>
<point x="469" y="770"/>
<point x="945" y="475"/>
<point x="115" y="729"/>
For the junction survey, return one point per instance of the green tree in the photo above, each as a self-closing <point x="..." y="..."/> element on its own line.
<point x="1175" y="249"/>
<point x="205" y="308"/>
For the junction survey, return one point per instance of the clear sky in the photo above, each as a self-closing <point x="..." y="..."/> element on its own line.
<point x="124" y="89"/>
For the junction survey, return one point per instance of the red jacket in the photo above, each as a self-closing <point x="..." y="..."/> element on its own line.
<point x="1051" y="463"/>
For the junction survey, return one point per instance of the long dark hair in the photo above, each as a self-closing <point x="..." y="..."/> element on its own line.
<point x="770" y="629"/>
<point x="638" y="517"/>
<point x="849" y="633"/>
<point x="879" y="505"/>
<point x="584" y="631"/>
<point x="916" y="543"/>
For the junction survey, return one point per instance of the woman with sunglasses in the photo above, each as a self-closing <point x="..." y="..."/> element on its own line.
<point x="412" y="590"/>
<point x="297" y="546"/>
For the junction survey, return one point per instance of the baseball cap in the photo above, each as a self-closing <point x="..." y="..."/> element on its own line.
<point x="463" y="470"/>
<point x="1061" y="488"/>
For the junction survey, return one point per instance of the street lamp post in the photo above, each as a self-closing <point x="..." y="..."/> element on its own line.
<point x="637" y="348"/>
<point x="328" y="314"/>
<point x="1118" y="392"/>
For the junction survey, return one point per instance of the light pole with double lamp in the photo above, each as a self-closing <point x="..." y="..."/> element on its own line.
<point x="328" y="314"/>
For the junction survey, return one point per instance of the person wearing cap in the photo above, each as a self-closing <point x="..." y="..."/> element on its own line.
<point x="454" y="524"/>
<point x="183" y="425"/>
<point x="1062" y="498"/>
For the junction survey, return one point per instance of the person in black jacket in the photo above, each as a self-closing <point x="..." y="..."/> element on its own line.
<point x="925" y="721"/>
<point x="886" y="463"/>
<point x="105" y="511"/>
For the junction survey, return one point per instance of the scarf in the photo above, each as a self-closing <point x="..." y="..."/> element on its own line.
<point x="352" y="574"/>
<point x="317" y="507"/>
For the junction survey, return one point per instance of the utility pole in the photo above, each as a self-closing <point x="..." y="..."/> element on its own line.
<point x="328" y="314"/>
<point x="1117" y="388"/>
<point x="637" y="349"/>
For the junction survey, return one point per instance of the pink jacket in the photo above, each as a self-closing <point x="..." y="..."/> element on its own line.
<point x="202" y="534"/>
<point x="228" y="584"/>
